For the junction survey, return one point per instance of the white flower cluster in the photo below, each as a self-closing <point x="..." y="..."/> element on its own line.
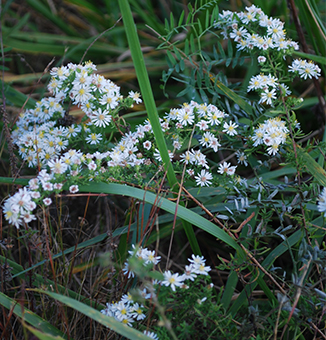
<point x="127" y="310"/>
<point x="322" y="202"/>
<point x="272" y="133"/>
<point x="148" y="256"/>
<point x="268" y="86"/>
<point x="305" y="69"/>
<point x="196" y="267"/>
<point x="254" y="31"/>
<point x="43" y="142"/>
<point x="39" y="139"/>
<point x="18" y="209"/>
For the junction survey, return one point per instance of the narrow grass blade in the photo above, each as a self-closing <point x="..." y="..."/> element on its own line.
<point x="233" y="96"/>
<point x="165" y="204"/>
<point x="94" y="314"/>
<point x="42" y="9"/>
<point x="16" y="98"/>
<point x="149" y="102"/>
<point x="313" y="167"/>
<point x="273" y="255"/>
<point x="29" y="316"/>
<point x="42" y="335"/>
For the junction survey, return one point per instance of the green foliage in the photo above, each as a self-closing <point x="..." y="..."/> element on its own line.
<point x="262" y="230"/>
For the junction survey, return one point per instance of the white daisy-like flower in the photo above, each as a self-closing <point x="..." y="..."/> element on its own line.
<point x="57" y="166"/>
<point x="101" y="118"/>
<point x="204" y="178"/>
<point x="242" y="158"/>
<point x="135" y="96"/>
<point x="185" y="117"/>
<point x="172" y="280"/>
<point x="151" y="335"/>
<point x="47" y="201"/>
<point x="197" y="260"/>
<point x="147" y="145"/>
<point x="261" y="59"/>
<point x="74" y="189"/>
<point x="226" y="168"/>
<point x="267" y="96"/>
<point x="94" y="138"/>
<point x="230" y="128"/>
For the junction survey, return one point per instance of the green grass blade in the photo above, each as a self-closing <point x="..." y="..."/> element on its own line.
<point x="233" y="96"/>
<point x="165" y="204"/>
<point x="150" y="106"/>
<point x="42" y="9"/>
<point x="145" y="87"/>
<point x="313" y="167"/>
<point x="313" y="57"/>
<point x="94" y="314"/>
<point x="16" y="98"/>
<point x="272" y="256"/>
<point x="29" y="316"/>
<point x="41" y="335"/>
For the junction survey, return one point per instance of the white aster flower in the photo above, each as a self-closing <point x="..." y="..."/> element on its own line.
<point x="47" y="201"/>
<point x="147" y="145"/>
<point x="242" y="158"/>
<point x="173" y="280"/>
<point x="230" y="128"/>
<point x="101" y="118"/>
<point x="74" y="189"/>
<point x="226" y="168"/>
<point x="267" y="96"/>
<point x="203" y="178"/>
<point x="151" y="335"/>
<point x="94" y="138"/>
<point x="135" y="96"/>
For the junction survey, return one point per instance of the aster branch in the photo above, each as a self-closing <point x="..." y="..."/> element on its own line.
<point x="305" y="49"/>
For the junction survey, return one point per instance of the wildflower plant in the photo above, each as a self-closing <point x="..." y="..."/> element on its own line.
<point x="189" y="295"/>
<point x="220" y="155"/>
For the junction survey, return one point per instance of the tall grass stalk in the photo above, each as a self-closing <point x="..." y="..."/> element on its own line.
<point x="146" y="91"/>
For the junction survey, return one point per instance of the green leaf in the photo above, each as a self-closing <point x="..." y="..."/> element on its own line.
<point x="192" y="44"/>
<point x="165" y="204"/>
<point x="233" y="96"/>
<point x="171" y="58"/>
<point x="41" y="335"/>
<point x="29" y="316"/>
<point x="17" y="98"/>
<point x="181" y="18"/>
<point x="316" y="58"/>
<point x="150" y="106"/>
<point x="313" y="167"/>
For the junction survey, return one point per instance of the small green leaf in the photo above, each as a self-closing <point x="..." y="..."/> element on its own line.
<point x="181" y="18"/>
<point x="316" y="58"/>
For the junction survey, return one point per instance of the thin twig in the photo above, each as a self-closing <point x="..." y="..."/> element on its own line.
<point x="98" y="37"/>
